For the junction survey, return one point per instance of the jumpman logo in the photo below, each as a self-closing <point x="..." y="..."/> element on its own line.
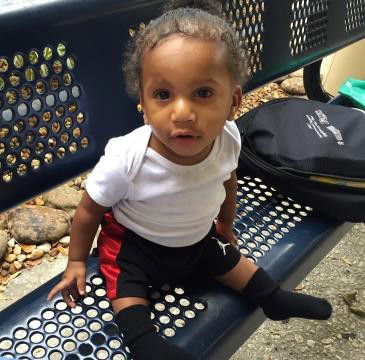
<point x="221" y="245"/>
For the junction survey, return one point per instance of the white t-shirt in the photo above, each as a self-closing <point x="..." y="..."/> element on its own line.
<point x="167" y="203"/>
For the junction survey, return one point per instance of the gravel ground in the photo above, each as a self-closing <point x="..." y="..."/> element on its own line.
<point x="342" y="271"/>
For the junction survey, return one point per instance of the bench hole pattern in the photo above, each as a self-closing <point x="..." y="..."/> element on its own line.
<point x="62" y="333"/>
<point x="309" y="25"/>
<point x="263" y="217"/>
<point x="355" y="15"/>
<point x="247" y="18"/>
<point x="40" y="116"/>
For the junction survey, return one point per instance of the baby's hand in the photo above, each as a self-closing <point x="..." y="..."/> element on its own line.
<point x="72" y="284"/>
<point x="226" y="231"/>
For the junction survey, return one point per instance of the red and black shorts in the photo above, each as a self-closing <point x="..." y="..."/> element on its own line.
<point x="132" y="264"/>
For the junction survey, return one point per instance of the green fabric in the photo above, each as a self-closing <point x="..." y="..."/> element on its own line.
<point x="354" y="89"/>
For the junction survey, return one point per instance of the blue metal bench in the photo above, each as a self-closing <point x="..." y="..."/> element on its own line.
<point x="60" y="71"/>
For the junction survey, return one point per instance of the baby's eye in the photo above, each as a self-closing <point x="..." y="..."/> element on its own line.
<point x="204" y="93"/>
<point x="162" y="95"/>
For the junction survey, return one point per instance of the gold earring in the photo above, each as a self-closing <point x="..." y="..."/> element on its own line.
<point x="140" y="108"/>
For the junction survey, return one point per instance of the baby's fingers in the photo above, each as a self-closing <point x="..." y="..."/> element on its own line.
<point x="81" y="285"/>
<point x="59" y="287"/>
<point x="68" y="297"/>
<point x="78" y="288"/>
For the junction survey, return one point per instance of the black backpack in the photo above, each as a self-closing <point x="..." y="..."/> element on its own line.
<point x="310" y="151"/>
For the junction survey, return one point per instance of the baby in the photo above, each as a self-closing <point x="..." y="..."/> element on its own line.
<point x="172" y="184"/>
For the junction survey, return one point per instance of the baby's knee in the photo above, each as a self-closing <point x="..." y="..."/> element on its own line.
<point x="125" y="302"/>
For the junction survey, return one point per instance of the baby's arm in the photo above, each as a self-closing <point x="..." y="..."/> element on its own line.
<point x="228" y="210"/>
<point x="84" y="226"/>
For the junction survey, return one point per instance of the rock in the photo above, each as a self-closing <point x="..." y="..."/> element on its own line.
<point x="70" y="213"/>
<point x="78" y="181"/>
<point x="21" y="258"/>
<point x="2" y="288"/>
<point x="12" y="269"/>
<point x="38" y="224"/>
<point x="63" y="250"/>
<point x="17" y="250"/>
<point x="31" y="263"/>
<point x="4" y="273"/>
<point x="65" y="240"/>
<point x="297" y="73"/>
<point x="327" y="341"/>
<point x="299" y="338"/>
<point x="51" y="258"/>
<point x="11" y="242"/>
<point x="5" y="265"/>
<point x="54" y="252"/>
<point x="311" y="343"/>
<point x="3" y="221"/>
<point x="46" y="247"/>
<point x="39" y="201"/>
<point x="64" y="197"/>
<point x="27" y="248"/>
<point x="18" y="265"/>
<point x="36" y="254"/>
<point x="4" y="238"/>
<point x="293" y="86"/>
<point x="10" y="258"/>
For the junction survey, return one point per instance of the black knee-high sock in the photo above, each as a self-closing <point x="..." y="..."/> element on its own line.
<point x="142" y="339"/>
<point x="279" y="304"/>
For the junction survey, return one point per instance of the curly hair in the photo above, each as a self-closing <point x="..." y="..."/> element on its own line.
<point x="195" y="18"/>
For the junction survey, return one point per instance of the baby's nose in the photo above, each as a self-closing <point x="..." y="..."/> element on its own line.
<point x="183" y="111"/>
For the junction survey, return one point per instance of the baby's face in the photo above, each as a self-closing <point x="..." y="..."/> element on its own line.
<point x="187" y="96"/>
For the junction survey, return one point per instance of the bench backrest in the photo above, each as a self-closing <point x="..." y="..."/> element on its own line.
<point x="61" y="88"/>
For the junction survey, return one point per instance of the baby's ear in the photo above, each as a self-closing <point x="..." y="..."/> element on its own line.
<point x="236" y="102"/>
<point x="140" y="110"/>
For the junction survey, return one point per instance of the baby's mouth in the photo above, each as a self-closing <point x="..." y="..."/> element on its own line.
<point x="185" y="136"/>
<point x="185" y="139"/>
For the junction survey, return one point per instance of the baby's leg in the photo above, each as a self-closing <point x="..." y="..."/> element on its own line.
<point x="259" y="288"/>
<point x="133" y="318"/>
<point x="125" y="262"/>
<point x="239" y="276"/>
<point x="225" y="263"/>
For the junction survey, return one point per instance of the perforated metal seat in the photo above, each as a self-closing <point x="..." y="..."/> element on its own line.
<point x="284" y="237"/>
